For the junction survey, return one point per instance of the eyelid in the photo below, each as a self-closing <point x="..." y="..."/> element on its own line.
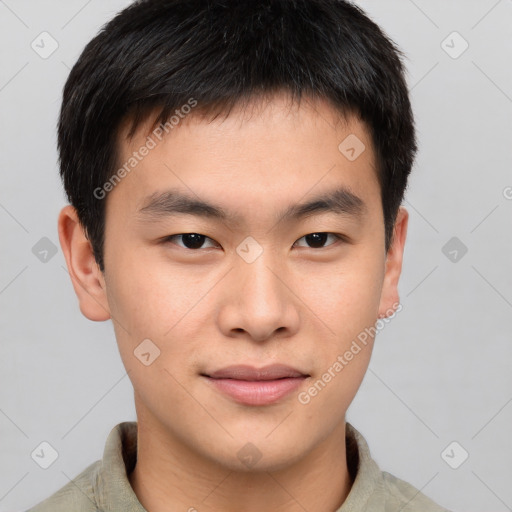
<point x="167" y="239"/>
<point x="339" y="238"/>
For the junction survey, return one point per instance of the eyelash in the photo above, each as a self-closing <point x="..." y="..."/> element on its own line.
<point x="341" y="238"/>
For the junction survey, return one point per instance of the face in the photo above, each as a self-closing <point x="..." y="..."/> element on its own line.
<point x="248" y="280"/>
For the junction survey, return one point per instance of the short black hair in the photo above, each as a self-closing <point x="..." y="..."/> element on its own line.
<point x="155" y="55"/>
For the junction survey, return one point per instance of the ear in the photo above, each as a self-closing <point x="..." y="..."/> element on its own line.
<point x="389" y="298"/>
<point x="86" y="277"/>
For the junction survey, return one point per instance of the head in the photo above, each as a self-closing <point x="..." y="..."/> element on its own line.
<point x="222" y="119"/>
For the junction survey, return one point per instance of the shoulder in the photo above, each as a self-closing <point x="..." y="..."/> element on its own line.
<point x="77" y="495"/>
<point x="374" y="490"/>
<point x="401" y="495"/>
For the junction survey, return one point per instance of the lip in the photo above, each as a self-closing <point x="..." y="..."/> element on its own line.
<point x="256" y="386"/>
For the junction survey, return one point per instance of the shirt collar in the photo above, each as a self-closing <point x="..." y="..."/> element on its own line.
<point x="119" y="457"/>
<point x="368" y="479"/>
<point x="114" y="492"/>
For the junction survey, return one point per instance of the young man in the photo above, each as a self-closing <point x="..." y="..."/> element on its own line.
<point x="235" y="171"/>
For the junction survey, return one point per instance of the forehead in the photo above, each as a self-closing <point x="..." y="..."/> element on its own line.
<point x="273" y="151"/>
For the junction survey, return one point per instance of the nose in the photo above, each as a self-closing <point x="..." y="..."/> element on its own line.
<point x="257" y="302"/>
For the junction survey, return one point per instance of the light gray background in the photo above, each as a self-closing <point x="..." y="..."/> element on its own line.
<point x="440" y="371"/>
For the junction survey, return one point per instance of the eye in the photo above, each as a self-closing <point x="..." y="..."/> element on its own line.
<point x="195" y="241"/>
<point x="317" y="240"/>
<point x="191" y="241"/>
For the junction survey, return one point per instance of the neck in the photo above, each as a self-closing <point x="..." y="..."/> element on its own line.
<point x="171" y="476"/>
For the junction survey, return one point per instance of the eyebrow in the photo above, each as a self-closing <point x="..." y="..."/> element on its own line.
<point x="340" y="201"/>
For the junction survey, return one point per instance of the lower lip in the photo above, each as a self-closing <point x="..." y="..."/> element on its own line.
<point x="263" y="392"/>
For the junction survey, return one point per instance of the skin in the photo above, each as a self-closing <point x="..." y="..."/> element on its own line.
<point x="208" y="308"/>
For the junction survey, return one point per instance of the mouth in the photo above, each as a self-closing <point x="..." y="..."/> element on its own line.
<point x="256" y="386"/>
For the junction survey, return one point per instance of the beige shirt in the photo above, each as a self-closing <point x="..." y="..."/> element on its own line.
<point x="104" y="485"/>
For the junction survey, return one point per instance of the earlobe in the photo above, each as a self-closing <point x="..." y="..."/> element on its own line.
<point x="86" y="277"/>
<point x="390" y="297"/>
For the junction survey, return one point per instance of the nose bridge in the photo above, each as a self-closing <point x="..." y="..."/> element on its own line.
<point x="260" y="286"/>
<point x="258" y="302"/>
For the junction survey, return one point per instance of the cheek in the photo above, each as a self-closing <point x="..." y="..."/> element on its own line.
<point x="148" y="297"/>
<point x="344" y="298"/>
<point x="158" y="301"/>
<point x="332" y="391"/>
<point x="348" y="309"/>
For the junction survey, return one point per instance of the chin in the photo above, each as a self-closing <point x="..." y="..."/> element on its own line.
<point x="257" y="457"/>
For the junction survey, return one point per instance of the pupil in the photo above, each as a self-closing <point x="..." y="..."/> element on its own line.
<point x="316" y="239"/>
<point x="193" y="240"/>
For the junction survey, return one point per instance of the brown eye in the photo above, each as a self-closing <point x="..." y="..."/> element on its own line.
<point x="317" y="240"/>
<point x="192" y="241"/>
